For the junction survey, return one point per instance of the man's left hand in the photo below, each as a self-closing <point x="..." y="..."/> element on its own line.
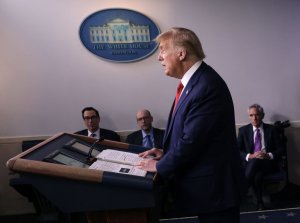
<point x="263" y="155"/>
<point x="148" y="165"/>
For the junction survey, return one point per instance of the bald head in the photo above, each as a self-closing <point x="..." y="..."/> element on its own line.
<point x="144" y="119"/>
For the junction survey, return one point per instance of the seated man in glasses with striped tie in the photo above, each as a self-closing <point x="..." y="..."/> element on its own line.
<point x="260" y="148"/>
<point x="91" y="119"/>
<point x="147" y="136"/>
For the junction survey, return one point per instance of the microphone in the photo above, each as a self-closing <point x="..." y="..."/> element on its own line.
<point x="89" y="156"/>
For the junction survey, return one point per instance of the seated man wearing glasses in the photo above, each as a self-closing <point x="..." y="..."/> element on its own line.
<point x="148" y="136"/>
<point x="91" y="120"/>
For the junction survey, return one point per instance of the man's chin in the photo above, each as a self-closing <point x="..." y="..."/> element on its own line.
<point x="93" y="129"/>
<point x="171" y="75"/>
<point x="147" y="129"/>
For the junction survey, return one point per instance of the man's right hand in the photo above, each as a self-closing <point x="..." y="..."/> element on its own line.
<point x="156" y="153"/>
<point x="259" y="155"/>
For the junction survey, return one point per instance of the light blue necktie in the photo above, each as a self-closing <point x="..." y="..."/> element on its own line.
<point x="149" y="143"/>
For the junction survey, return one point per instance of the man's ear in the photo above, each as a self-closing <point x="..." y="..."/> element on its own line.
<point x="182" y="54"/>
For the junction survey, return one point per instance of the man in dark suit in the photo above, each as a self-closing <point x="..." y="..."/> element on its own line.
<point x="91" y="119"/>
<point x="260" y="148"/>
<point x="200" y="157"/>
<point x="144" y="120"/>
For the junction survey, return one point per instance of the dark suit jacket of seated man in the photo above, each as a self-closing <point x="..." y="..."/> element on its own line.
<point x="265" y="160"/>
<point x="136" y="138"/>
<point x="104" y="133"/>
<point x="144" y="120"/>
<point x="91" y="119"/>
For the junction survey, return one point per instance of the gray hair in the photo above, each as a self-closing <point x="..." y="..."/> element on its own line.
<point x="259" y="109"/>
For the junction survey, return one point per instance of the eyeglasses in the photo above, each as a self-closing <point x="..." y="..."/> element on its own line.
<point x="255" y="115"/>
<point x="93" y="118"/>
<point x="143" y="118"/>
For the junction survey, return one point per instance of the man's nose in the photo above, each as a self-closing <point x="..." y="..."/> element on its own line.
<point x="159" y="57"/>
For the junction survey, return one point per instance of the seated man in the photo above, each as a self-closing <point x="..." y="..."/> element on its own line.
<point x="91" y="120"/>
<point x="148" y="136"/>
<point x="260" y="148"/>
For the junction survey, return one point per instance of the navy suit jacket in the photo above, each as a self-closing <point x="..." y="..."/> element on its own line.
<point x="105" y="133"/>
<point x="271" y="137"/>
<point x="136" y="138"/>
<point x="201" y="155"/>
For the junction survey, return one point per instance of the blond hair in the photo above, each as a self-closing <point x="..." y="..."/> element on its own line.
<point x="182" y="37"/>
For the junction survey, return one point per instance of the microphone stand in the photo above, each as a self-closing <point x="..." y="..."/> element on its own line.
<point x="90" y="158"/>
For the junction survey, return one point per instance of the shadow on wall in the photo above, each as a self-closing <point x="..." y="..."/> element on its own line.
<point x="278" y="117"/>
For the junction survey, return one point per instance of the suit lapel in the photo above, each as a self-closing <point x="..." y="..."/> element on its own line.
<point x="168" y="125"/>
<point x="156" y="137"/>
<point x="172" y="114"/>
<point x="184" y="96"/>
<point x="251" y="137"/>
<point x="266" y="135"/>
<point x="139" y="139"/>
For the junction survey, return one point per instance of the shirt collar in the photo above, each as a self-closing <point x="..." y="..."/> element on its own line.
<point x="188" y="75"/>
<point x="260" y="127"/>
<point x="97" y="133"/>
<point x="150" y="133"/>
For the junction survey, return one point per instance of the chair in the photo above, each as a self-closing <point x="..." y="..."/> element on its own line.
<point x="276" y="181"/>
<point x="27" y="144"/>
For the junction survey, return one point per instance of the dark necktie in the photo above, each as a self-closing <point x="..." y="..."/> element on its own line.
<point x="149" y="143"/>
<point x="178" y="92"/>
<point x="93" y="135"/>
<point x="257" y="141"/>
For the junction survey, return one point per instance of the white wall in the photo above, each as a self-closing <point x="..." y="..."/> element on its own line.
<point x="47" y="75"/>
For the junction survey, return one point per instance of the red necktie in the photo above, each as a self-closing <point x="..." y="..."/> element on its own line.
<point x="178" y="92"/>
